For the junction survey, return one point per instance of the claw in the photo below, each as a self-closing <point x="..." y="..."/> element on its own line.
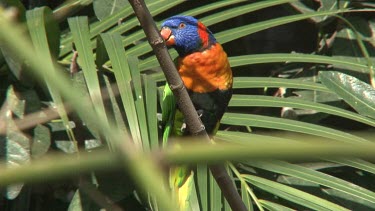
<point x="183" y="127"/>
<point x="200" y="113"/>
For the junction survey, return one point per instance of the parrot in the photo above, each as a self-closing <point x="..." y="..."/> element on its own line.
<point x="205" y="71"/>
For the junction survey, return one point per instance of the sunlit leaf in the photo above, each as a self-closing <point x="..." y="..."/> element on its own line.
<point x="75" y="204"/>
<point x="274" y="206"/>
<point x="66" y="146"/>
<point x="41" y="141"/>
<point x="360" y="95"/>
<point x="15" y="142"/>
<point x="260" y="82"/>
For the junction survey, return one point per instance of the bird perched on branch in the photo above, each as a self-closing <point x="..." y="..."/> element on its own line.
<point x="204" y="68"/>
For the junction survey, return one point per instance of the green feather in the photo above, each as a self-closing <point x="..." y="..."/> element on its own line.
<point x="180" y="177"/>
<point x="168" y="111"/>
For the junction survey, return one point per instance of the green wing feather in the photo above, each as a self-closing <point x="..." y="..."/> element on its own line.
<point x="168" y="112"/>
<point x="181" y="178"/>
<point x="172" y="119"/>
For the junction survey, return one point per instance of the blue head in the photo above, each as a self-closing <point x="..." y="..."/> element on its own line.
<point x="186" y="34"/>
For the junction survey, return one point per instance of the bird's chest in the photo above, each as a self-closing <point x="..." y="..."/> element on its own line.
<point x="205" y="71"/>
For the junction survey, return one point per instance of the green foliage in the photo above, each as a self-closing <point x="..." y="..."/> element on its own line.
<point x="110" y="102"/>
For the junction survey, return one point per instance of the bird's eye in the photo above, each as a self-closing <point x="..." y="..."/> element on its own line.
<point x="182" y="25"/>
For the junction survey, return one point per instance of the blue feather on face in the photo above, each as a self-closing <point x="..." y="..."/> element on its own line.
<point x="184" y="32"/>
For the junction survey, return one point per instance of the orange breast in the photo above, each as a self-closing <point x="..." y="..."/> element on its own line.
<point x="206" y="71"/>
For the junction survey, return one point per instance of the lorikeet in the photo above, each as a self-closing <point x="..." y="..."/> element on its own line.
<point x="204" y="68"/>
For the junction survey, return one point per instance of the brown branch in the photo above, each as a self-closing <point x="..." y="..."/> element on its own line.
<point x="47" y="114"/>
<point x="98" y="197"/>
<point x="195" y="126"/>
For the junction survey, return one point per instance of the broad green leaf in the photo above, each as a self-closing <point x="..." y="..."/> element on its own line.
<point x="210" y="7"/>
<point x="248" y="191"/>
<point x="123" y="78"/>
<point x="115" y="105"/>
<point x="297" y="182"/>
<point x="202" y="186"/>
<point x="297" y="57"/>
<point x="349" y="201"/>
<point x="66" y="146"/>
<point x="245" y="197"/>
<point x="17" y="154"/>
<point x="75" y="203"/>
<point x="268" y="101"/>
<point x="139" y="101"/>
<point x="240" y="10"/>
<point x="15" y="145"/>
<point x="355" y="163"/>
<point x="14" y="64"/>
<point x="272" y="206"/>
<point x="215" y="194"/>
<point x="330" y="98"/>
<point x="95" y="29"/>
<point x="41" y="141"/>
<point x="316" y="177"/>
<point x="100" y="53"/>
<point x="151" y="109"/>
<point x="230" y="173"/>
<point x="289" y="125"/>
<point x="193" y="202"/>
<point x="115" y="113"/>
<point x="78" y="83"/>
<point x="292" y="194"/>
<point x="44" y="34"/>
<point x="81" y="36"/>
<point x="260" y="82"/>
<point x="360" y="95"/>
<point x="91" y="144"/>
<point x="241" y="137"/>
<point x="44" y="31"/>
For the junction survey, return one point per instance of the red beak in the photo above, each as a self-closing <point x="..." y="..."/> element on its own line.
<point x="167" y="35"/>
